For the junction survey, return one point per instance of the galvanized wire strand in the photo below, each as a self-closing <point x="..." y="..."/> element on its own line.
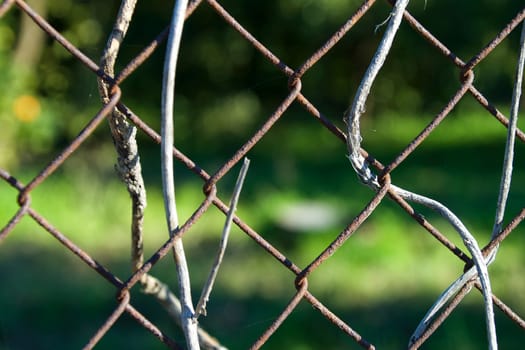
<point x="365" y="174"/>
<point x="479" y="261"/>
<point x="168" y="185"/>
<point x="508" y="159"/>
<point x="501" y="204"/>
<point x="353" y="114"/>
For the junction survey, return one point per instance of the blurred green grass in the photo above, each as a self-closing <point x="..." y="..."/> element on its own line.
<point x="381" y="281"/>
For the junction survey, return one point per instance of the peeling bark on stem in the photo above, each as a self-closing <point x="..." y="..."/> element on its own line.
<point x="124" y="135"/>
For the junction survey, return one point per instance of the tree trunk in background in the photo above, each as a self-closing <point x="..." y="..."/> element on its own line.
<point x="31" y="37"/>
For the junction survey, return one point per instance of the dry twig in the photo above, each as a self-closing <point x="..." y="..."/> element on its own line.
<point x="200" y="309"/>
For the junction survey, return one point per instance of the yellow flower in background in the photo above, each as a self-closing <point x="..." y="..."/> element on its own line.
<point x="26" y="108"/>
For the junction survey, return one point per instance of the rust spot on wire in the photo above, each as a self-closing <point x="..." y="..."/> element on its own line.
<point x="494" y="111"/>
<point x="428" y="226"/>
<point x="496" y="41"/>
<point x="256" y="137"/>
<point x="24" y="206"/>
<point x="348" y="231"/>
<point x="250" y="38"/>
<point x="321" y="118"/>
<point x="156" y="137"/>
<point x="259" y="239"/>
<point x="504" y="233"/>
<point x="144" y="322"/>
<point x="123" y="303"/>
<point x="138" y="60"/>
<point x="283" y="316"/>
<point x="85" y="257"/>
<point x="441" y="317"/>
<point x="430" y="127"/>
<point x="330" y="316"/>
<point x="52" y="32"/>
<point x="84" y="134"/>
<point x="418" y="27"/>
<point x="15" y="219"/>
<point x="166" y="247"/>
<point x="334" y="39"/>
<point x="505" y="308"/>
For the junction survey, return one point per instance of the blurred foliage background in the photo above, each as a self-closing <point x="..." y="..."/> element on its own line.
<point x="381" y="282"/>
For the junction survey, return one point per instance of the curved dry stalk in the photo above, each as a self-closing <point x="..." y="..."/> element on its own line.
<point x="361" y="167"/>
<point x="168" y="186"/>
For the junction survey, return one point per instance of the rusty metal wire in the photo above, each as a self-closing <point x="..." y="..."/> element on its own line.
<point x="466" y="70"/>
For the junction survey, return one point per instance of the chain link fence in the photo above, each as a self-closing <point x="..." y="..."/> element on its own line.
<point x="125" y="124"/>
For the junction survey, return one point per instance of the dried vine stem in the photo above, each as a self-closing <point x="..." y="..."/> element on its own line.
<point x="124" y="134"/>
<point x="200" y="309"/>
<point x="361" y="167"/>
<point x="189" y="325"/>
